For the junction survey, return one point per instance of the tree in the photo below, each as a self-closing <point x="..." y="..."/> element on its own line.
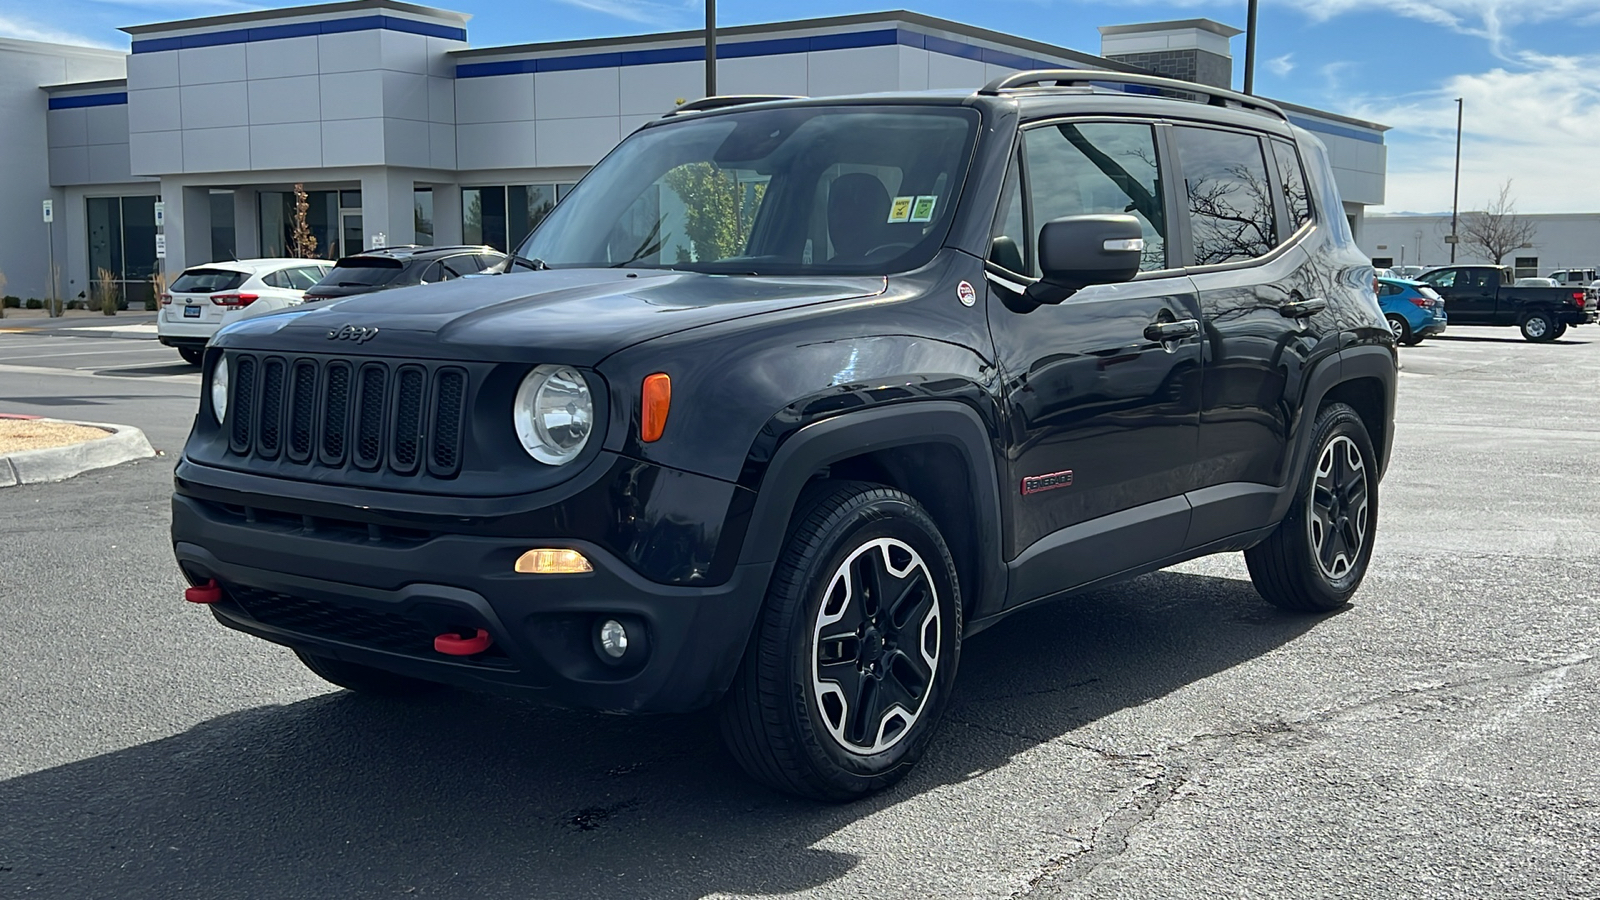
<point x="718" y="211"/>
<point x="1496" y="230"/>
<point x="302" y="243"/>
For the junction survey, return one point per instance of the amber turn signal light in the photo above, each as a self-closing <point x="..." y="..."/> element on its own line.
<point x="657" y="400"/>
<point x="552" y="562"/>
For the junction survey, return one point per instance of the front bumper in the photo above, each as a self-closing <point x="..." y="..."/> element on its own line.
<point x="378" y="597"/>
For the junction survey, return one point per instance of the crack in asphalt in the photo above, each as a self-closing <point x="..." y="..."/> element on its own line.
<point x="1109" y="839"/>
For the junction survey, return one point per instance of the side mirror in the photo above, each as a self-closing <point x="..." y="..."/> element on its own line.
<point x="1077" y="251"/>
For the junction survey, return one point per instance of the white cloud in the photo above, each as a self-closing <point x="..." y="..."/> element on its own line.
<point x="1281" y="66"/>
<point x="23" y="29"/>
<point x="643" y="12"/>
<point x="1538" y="123"/>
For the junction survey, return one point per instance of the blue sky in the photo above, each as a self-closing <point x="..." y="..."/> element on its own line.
<point x="1529" y="69"/>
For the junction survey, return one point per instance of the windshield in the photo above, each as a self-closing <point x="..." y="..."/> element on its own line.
<point x="207" y="281"/>
<point x="801" y="190"/>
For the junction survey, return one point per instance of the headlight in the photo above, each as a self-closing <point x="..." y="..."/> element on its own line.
<point x="553" y="414"/>
<point x="219" y="389"/>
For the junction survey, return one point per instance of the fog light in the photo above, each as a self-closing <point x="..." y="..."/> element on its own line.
<point x="613" y="638"/>
<point x="552" y="562"/>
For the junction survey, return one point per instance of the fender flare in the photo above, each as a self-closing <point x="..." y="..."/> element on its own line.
<point x="1351" y="363"/>
<point x="840" y="437"/>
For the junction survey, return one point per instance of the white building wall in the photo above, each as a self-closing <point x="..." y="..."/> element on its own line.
<point x="1561" y="241"/>
<point x="27" y="152"/>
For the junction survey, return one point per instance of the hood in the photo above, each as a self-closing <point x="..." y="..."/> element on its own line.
<point x="572" y="316"/>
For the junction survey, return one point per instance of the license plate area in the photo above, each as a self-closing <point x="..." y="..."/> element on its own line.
<point x="191" y="312"/>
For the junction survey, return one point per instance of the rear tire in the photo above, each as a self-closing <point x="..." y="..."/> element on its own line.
<point x="192" y="355"/>
<point x="854" y="653"/>
<point x="1561" y="328"/>
<point x="366" y="679"/>
<point x="1401" y="328"/>
<point x="1318" y="555"/>
<point x="1539" y="327"/>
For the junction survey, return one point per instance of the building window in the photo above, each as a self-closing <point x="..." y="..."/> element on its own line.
<point x="1527" y="266"/>
<point x="1383" y="262"/>
<point x="322" y="218"/>
<point x="422" y="213"/>
<point x="223" y="243"/>
<point x="504" y="216"/>
<point x="122" y="247"/>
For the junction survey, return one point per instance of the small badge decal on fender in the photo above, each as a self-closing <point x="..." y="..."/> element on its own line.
<point x="1037" y="484"/>
<point x="966" y="294"/>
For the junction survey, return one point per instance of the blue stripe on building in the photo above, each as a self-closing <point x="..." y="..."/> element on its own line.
<point x="85" y="100"/>
<point x="1354" y="134"/>
<point x="301" y="29"/>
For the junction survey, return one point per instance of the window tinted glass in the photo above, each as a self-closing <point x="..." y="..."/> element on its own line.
<point x="460" y="265"/>
<point x="489" y="260"/>
<point x="207" y="281"/>
<point x="1009" y="244"/>
<point x="1295" y="196"/>
<point x="1098" y="167"/>
<point x="358" y="271"/>
<point x="276" y="279"/>
<point x="304" y="276"/>
<point x="746" y="192"/>
<point x="1447" y="278"/>
<point x="1230" y="203"/>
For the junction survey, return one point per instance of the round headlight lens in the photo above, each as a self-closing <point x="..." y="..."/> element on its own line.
<point x="219" y="389"/>
<point x="553" y="414"/>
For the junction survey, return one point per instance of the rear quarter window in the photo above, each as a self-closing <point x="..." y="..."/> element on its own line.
<point x="362" y="271"/>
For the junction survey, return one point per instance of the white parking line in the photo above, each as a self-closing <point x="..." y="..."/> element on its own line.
<point x="75" y="373"/>
<point x="109" y="352"/>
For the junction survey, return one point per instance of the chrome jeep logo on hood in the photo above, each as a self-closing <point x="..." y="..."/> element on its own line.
<point x="353" y="333"/>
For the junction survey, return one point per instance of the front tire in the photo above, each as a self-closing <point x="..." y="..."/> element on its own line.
<point x="1539" y="327"/>
<point x="854" y="653"/>
<point x="366" y="679"/>
<point x="1319" y="553"/>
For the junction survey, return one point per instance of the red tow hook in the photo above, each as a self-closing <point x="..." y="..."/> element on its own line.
<point x="204" y="593"/>
<point x="456" y="645"/>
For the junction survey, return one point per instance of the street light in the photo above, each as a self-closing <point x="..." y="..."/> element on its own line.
<point x="1455" y="202"/>
<point x="711" y="48"/>
<point x="1250" y="49"/>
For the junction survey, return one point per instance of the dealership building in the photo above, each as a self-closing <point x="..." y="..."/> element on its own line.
<point x="399" y="131"/>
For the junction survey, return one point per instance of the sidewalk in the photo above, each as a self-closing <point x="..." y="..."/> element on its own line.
<point x="81" y="323"/>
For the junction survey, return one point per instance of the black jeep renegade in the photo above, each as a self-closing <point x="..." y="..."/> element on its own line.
<point x="790" y="396"/>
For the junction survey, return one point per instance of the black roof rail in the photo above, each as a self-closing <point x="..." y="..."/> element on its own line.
<point x="1213" y="96"/>
<point x="726" y="100"/>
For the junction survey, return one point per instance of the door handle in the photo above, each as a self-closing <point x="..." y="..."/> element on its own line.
<point x="1162" y="332"/>
<point x="1299" y="309"/>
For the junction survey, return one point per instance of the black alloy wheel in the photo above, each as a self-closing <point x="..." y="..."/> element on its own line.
<point x="854" y="653"/>
<point x="1318" y="555"/>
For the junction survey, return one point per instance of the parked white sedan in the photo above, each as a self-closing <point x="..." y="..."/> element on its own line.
<point x="205" y="298"/>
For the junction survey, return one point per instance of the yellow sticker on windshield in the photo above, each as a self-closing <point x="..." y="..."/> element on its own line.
<point x="900" y="209"/>
<point x="922" y="210"/>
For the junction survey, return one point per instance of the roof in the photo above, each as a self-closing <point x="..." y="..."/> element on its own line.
<point x="264" y="15"/>
<point x="1214" y="27"/>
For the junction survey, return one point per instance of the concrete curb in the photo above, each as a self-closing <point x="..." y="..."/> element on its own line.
<point x="60" y="463"/>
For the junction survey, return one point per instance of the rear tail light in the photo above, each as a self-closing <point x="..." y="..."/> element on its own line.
<point x="166" y="299"/>
<point x="1423" y="302"/>
<point x="1578" y="298"/>
<point x="234" y="301"/>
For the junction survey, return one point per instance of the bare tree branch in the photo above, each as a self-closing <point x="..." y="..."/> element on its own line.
<point x="1496" y="230"/>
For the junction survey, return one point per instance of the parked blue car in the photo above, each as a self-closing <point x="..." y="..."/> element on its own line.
<point x="1414" y="310"/>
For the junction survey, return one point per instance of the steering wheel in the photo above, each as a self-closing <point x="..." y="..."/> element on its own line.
<point x="887" y="251"/>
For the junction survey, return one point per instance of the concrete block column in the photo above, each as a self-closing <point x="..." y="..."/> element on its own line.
<point x="446" y="214"/>
<point x="187" y="226"/>
<point x="387" y="207"/>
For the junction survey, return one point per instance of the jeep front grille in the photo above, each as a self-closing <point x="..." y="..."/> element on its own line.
<point x="338" y="413"/>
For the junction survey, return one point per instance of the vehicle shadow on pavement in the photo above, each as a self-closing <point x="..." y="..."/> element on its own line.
<point x="461" y="795"/>
<point x="1513" y="338"/>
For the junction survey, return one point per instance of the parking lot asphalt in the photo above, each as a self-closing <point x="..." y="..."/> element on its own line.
<point x="1171" y="736"/>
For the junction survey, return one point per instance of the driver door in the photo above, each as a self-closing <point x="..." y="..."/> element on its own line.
<point x="1102" y="418"/>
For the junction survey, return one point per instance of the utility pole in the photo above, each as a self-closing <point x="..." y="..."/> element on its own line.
<point x="711" y="48"/>
<point x="1250" y="49"/>
<point x="1455" y="202"/>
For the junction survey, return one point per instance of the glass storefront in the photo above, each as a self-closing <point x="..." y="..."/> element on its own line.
<point x="503" y="215"/>
<point x="224" y="245"/>
<point x="322" y="220"/>
<point x="422" y="213"/>
<point x="122" y="248"/>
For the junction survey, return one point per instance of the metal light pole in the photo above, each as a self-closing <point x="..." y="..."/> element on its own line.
<point x="1455" y="202"/>
<point x="1250" y="49"/>
<point x="711" y="48"/>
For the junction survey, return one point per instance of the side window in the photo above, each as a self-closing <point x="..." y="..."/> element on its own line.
<point x="279" y="279"/>
<point x="434" y="273"/>
<point x="489" y="260"/>
<point x="458" y="266"/>
<point x="1009" y="242"/>
<point x="1229" y="196"/>
<point x="304" y="277"/>
<point x="1444" y="279"/>
<point x="1483" y="278"/>
<point x="1295" y="196"/>
<point x="1097" y="167"/>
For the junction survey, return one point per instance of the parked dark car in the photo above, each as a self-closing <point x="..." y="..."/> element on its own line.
<point x="1486" y="295"/>
<point x="802" y="393"/>
<point x="393" y="267"/>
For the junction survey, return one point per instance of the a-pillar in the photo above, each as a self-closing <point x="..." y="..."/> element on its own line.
<point x="388" y="208"/>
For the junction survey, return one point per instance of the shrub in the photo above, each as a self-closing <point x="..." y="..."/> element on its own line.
<point x="13" y="302"/>
<point x="35" y="303"/>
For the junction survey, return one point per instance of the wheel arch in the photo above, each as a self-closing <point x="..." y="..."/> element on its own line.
<point x="937" y="451"/>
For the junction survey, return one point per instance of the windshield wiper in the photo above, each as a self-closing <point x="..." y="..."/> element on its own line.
<point x="512" y="260"/>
